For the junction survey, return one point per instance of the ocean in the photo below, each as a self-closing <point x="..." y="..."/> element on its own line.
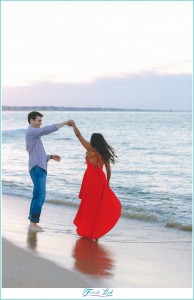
<point x="152" y="175"/>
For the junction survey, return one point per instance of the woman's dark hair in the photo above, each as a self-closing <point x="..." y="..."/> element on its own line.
<point x="106" y="151"/>
<point x="32" y="115"/>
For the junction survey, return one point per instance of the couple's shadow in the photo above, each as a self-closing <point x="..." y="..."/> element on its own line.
<point x="92" y="258"/>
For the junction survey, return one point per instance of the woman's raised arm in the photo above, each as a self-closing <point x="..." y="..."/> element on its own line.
<point x="86" y="144"/>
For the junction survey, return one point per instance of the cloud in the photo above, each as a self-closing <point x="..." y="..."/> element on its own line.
<point x="143" y="91"/>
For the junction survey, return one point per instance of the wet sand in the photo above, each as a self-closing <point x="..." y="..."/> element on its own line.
<point x="135" y="254"/>
<point x="24" y="269"/>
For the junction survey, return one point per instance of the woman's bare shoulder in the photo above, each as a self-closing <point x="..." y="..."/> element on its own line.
<point x="91" y="150"/>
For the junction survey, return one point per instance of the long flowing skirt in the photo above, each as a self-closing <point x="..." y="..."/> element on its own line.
<point x="100" y="208"/>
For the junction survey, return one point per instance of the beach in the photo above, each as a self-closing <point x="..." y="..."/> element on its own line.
<point x="136" y="254"/>
<point x="149" y="249"/>
<point x="97" y="132"/>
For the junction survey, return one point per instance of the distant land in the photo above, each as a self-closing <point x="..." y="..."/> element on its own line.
<point x="62" y="108"/>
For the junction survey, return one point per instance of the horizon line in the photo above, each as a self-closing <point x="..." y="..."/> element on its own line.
<point x="72" y="108"/>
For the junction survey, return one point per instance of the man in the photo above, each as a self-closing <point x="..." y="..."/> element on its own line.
<point x="38" y="164"/>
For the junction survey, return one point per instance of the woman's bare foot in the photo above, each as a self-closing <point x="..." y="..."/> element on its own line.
<point x="95" y="240"/>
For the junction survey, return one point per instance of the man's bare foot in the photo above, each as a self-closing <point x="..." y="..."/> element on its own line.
<point x="34" y="227"/>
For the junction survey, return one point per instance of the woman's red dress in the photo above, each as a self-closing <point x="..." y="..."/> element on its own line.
<point x="100" y="208"/>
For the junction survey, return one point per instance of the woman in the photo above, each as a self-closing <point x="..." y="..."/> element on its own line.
<point x="99" y="209"/>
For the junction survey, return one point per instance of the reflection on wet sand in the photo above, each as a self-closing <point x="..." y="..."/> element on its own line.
<point x="32" y="240"/>
<point x="92" y="258"/>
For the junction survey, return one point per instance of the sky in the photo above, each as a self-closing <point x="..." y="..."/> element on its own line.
<point x="124" y="54"/>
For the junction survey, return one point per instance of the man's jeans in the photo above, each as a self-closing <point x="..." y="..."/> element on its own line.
<point x="38" y="176"/>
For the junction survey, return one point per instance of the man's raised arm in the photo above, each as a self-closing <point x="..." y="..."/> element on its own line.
<point x="59" y="125"/>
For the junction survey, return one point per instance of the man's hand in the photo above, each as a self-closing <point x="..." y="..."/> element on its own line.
<point x="59" y="125"/>
<point x="70" y="123"/>
<point x="56" y="157"/>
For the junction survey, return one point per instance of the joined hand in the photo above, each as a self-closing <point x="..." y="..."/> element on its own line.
<point x="70" y="123"/>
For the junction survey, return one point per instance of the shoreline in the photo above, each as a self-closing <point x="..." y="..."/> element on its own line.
<point x="139" y="217"/>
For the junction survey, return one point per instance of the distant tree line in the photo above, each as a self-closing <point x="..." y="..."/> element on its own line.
<point x="62" y="108"/>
